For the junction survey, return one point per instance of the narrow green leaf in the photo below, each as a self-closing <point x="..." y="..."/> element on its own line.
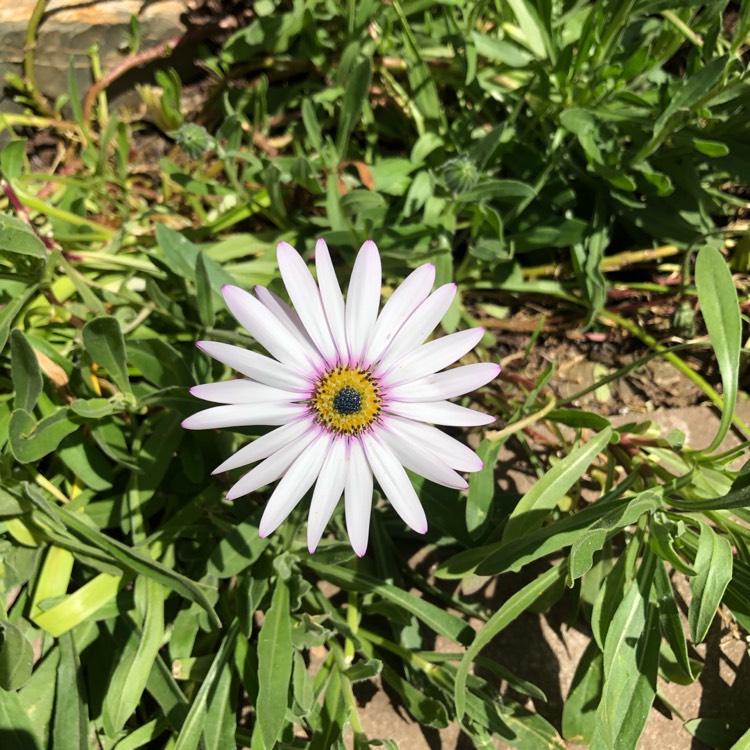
<point x="713" y="566"/>
<point x="31" y="440"/>
<point x="579" y="711"/>
<point x="274" y="665"/>
<point x="16" y="729"/>
<point x="357" y="93"/>
<point x="482" y="486"/>
<point x="630" y="667"/>
<point x="134" y="664"/>
<point x="105" y="344"/>
<point x="38" y="695"/>
<point x="16" y="657"/>
<point x="508" y="612"/>
<point x="25" y="372"/>
<point x="582" y="552"/>
<point x="204" y="292"/>
<point x="193" y="726"/>
<point x="536" y="504"/>
<point x="434" y="617"/>
<point x="721" y="313"/>
<point x="70" y="728"/>
<point x="18" y="237"/>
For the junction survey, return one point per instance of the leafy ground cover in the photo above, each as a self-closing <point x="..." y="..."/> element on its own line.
<point x="578" y="168"/>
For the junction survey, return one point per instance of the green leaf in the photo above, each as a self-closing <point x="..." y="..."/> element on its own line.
<point x="70" y="728"/>
<point x="713" y="566"/>
<point x="16" y="657"/>
<point x="25" y="371"/>
<point x="204" y="292"/>
<point x="105" y="344"/>
<point x="135" y="661"/>
<point x="579" y="419"/>
<point x="274" y="666"/>
<point x="482" y="486"/>
<point x="357" y="93"/>
<point x="31" y="440"/>
<point x="312" y="125"/>
<point x="630" y="666"/>
<point x="536" y="504"/>
<point x="126" y="557"/>
<point x="16" y="729"/>
<point x="193" y="726"/>
<point x="582" y="552"/>
<point x="737" y="497"/>
<point x="434" y="617"/>
<point x="38" y="697"/>
<point x="18" y="237"/>
<point x="509" y="611"/>
<point x="579" y="710"/>
<point x="93" y="408"/>
<point x="719" y="733"/>
<point x="721" y="313"/>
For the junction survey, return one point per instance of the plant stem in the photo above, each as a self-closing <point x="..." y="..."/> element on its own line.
<point x="29" y="51"/>
<point x="607" y="316"/>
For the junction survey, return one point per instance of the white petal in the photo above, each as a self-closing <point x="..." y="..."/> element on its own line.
<point x="395" y="483"/>
<point x="327" y="492"/>
<point x="423" y="462"/>
<point x="257" y="366"/>
<point x="243" y="415"/>
<point x="272" y="468"/>
<point x="305" y="296"/>
<point x="271" y="333"/>
<point x="440" y="412"/>
<point x="244" y="391"/>
<point x="430" y="357"/>
<point x="293" y="485"/>
<point x="265" y="445"/>
<point x="419" y="326"/>
<point x="362" y="300"/>
<point x="448" y="384"/>
<point x="292" y="322"/>
<point x="401" y="304"/>
<point x="333" y="302"/>
<point x="358" y="498"/>
<point x="455" y="454"/>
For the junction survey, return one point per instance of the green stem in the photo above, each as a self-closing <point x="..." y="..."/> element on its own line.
<point x="673" y="359"/>
<point x="29" y="50"/>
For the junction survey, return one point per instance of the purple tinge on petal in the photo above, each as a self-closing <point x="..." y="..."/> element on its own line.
<point x="430" y="357"/>
<point x="243" y="391"/>
<point x="395" y="483"/>
<point x="333" y="302"/>
<point x="277" y="337"/>
<point x="327" y="492"/>
<point x="449" y="450"/>
<point x="289" y="318"/>
<point x="243" y="415"/>
<point x="363" y="300"/>
<point x="358" y="497"/>
<point x="305" y="296"/>
<point x="419" y="326"/>
<point x="448" y="384"/>
<point x="396" y="311"/>
<point x="423" y="462"/>
<point x="440" y="412"/>
<point x="256" y="366"/>
<point x="294" y="484"/>
<point x="265" y="445"/>
<point x="272" y="467"/>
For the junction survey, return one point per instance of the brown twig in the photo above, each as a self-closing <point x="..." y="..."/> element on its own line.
<point x="133" y="61"/>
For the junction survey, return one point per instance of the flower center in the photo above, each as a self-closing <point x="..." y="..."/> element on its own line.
<point x="346" y="400"/>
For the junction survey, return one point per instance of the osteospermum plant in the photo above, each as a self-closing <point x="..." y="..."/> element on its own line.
<point x="353" y="392"/>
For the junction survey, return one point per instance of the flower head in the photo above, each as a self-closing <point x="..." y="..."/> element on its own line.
<point x="353" y="393"/>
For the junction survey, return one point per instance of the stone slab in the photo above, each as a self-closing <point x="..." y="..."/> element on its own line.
<point x="68" y="30"/>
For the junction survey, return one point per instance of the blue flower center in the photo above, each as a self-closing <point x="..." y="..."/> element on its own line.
<point x="348" y="400"/>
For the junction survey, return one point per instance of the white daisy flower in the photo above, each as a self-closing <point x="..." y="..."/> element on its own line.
<point x="353" y="393"/>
